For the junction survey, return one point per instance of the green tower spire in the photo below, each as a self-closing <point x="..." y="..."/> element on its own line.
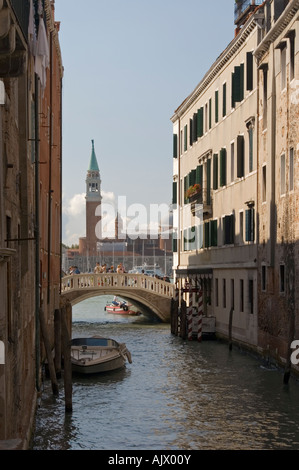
<point x="93" y="164"/>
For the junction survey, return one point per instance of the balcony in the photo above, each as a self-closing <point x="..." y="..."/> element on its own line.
<point x="243" y="7"/>
<point x="202" y="202"/>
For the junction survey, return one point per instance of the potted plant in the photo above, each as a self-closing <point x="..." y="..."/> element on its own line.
<point x="193" y="191"/>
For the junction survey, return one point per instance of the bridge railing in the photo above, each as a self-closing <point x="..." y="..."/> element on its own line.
<point x="124" y="281"/>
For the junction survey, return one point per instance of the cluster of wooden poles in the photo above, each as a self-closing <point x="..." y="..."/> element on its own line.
<point x="62" y="350"/>
<point x="181" y="318"/>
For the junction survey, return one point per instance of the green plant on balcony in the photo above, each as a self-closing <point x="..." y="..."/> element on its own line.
<point x="193" y="191"/>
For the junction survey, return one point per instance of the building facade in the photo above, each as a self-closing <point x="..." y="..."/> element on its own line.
<point x="29" y="105"/>
<point x="277" y="58"/>
<point x="220" y="150"/>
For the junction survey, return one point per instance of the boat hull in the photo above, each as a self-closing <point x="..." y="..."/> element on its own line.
<point x="120" y="311"/>
<point x="97" y="355"/>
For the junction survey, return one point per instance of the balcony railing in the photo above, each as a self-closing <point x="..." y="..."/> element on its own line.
<point x="244" y="6"/>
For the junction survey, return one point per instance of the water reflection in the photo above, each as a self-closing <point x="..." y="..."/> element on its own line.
<point x="175" y="395"/>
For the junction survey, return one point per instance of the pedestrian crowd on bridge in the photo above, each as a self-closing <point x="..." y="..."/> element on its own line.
<point x="99" y="269"/>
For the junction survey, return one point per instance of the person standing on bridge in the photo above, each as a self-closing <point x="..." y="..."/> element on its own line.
<point x="97" y="268"/>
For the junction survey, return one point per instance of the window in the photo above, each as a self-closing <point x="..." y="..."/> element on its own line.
<point x="175" y="146"/>
<point x="241" y="227"/>
<point x="206" y="117"/>
<point x="232" y="293"/>
<point x="292" y="54"/>
<point x="200" y="122"/>
<point x="250" y="295"/>
<point x="250" y="226"/>
<point x="210" y="229"/>
<point x="282" y="175"/>
<point x="194" y="127"/>
<point x="224" y="100"/>
<point x="265" y="95"/>
<point x="223" y="167"/>
<point x="224" y="292"/>
<point x="232" y="162"/>
<point x="210" y="113"/>
<point x="249" y="71"/>
<point x="216" y="293"/>
<point x="240" y="157"/>
<point x="291" y="171"/>
<point x="190" y="132"/>
<point x="264" y="183"/>
<point x="282" y="278"/>
<point x="215" y="171"/>
<point x="228" y="229"/>
<point x="185" y="137"/>
<point x="283" y="62"/>
<point x="237" y="85"/>
<point x="250" y="140"/>
<point x="174" y="193"/>
<point x="241" y="295"/>
<point x="181" y="143"/>
<point x="264" y="278"/>
<point x="216" y="106"/>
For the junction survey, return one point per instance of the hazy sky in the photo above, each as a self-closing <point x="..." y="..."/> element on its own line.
<point x="128" y="65"/>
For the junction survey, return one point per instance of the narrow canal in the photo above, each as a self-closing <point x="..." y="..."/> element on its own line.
<point x="176" y="395"/>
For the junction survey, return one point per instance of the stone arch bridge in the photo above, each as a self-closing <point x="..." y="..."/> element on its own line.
<point x="153" y="293"/>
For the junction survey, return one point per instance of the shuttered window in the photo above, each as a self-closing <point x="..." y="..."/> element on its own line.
<point x="210" y="113"/>
<point x="240" y="156"/>
<point x="237" y="85"/>
<point x="216" y="106"/>
<point x="209" y="181"/>
<point x="224" y="100"/>
<point x="174" y="192"/>
<point x="200" y="122"/>
<point x="215" y="171"/>
<point x="207" y="235"/>
<point x="223" y="167"/>
<point x="174" y="245"/>
<point x="249" y="71"/>
<point x="185" y="137"/>
<point x="228" y="229"/>
<point x="194" y="128"/>
<point x="190" y="132"/>
<point x="213" y="224"/>
<point x="175" y="146"/>
<point x="249" y="225"/>
<point x="199" y="173"/>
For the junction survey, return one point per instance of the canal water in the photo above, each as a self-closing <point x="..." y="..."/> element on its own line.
<point x="176" y="395"/>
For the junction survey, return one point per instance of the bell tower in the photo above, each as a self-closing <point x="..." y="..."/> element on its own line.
<point x="93" y="201"/>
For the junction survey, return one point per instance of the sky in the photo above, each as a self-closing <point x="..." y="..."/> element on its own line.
<point x="128" y="64"/>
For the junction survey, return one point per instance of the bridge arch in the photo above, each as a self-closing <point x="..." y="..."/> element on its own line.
<point x="154" y="294"/>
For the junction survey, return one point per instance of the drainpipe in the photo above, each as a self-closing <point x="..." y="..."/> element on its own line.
<point x="36" y="236"/>
<point x="60" y="184"/>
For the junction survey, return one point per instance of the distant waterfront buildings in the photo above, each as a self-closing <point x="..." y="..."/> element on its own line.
<point x="119" y="247"/>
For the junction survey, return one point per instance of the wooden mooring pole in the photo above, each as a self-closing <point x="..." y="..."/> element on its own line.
<point x="66" y="351"/>
<point x="57" y="339"/>
<point x="230" y="329"/>
<point x="48" y="349"/>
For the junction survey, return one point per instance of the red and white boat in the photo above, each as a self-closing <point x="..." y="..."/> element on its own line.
<point x="120" y="308"/>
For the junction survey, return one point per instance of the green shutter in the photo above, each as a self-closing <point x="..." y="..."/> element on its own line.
<point x="215" y="171"/>
<point x="185" y="137"/>
<point x="210" y="113"/>
<point x="207" y="235"/>
<point x="216" y="106"/>
<point x="241" y="96"/>
<point x="200" y="122"/>
<point x="240" y="156"/>
<point x="190" y="132"/>
<point x="194" y="132"/>
<point x="199" y="173"/>
<point x="250" y="149"/>
<point x="174" y="245"/>
<point x="249" y="71"/>
<point x="213" y="232"/>
<point x="174" y="193"/>
<point x="209" y="181"/>
<point x="192" y="177"/>
<point x="175" y="146"/>
<point x="249" y="225"/>
<point x="224" y="100"/>
<point x="223" y="167"/>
